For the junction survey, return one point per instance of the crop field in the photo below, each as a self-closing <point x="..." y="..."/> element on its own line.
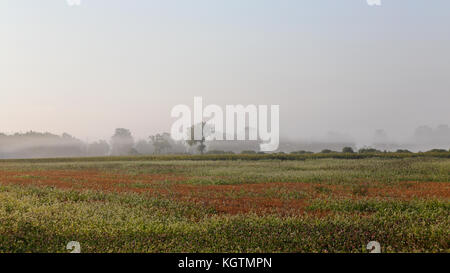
<point x="185" y="204"/>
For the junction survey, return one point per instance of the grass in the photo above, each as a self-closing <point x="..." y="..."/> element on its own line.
<point x="168" y="204"/>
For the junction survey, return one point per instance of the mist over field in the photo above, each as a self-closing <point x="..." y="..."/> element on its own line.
<point x="344" y="73"/>
<point x="122" y="142"/>
<point x="239" y="128"/>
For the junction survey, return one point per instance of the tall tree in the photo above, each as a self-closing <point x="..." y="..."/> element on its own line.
<point x="204" y="130"/>
<point x="99" y="148"/>
<point x="161" y="142"/>
<point x="122" y="142"/>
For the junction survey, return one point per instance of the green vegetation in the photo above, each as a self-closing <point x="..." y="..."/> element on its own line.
<point x="255" y="157"/>
<point x="248" y="203"/>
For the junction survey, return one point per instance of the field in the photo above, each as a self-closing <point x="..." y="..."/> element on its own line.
<point x="226" y="204"/>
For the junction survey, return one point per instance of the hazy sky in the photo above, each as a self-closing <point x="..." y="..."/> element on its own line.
<point x="331" y="65"/>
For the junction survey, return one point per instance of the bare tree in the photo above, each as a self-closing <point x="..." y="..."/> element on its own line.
<point x="205" y="130"/>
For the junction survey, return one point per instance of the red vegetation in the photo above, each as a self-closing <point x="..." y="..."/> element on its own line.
<point x="282" y="198"/>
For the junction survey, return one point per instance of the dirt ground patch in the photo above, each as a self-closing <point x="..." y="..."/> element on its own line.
<point x="282" y="198"/>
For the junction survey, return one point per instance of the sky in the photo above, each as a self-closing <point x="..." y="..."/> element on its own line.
<point x="332" y="66"/>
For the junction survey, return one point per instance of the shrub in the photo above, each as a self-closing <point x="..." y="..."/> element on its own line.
<point x="368" y="150"/>
<point x="437" y="151"/>
<point x="348" y="150"/>
<point x="301" y="152"/>
<point x="403" y="151"/>
<point x="215" y="152"/>
<point x="248" y="152"/>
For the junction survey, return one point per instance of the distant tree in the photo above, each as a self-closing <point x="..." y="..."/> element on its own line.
<point x="348" y="150"/>
<point x="437" y="151"/>
<point x="133" y="151"/>
<point x="216" y="152"/>
<point x="122" y="142"/>
<point x="161" y="142"/>
<point x="35" y="145"/>
<point x="144" y="147"/>
<point x="204" y="130"/>
<point x="368" y="150"/>
<point x="302" y="152"/>
<point x="99" y="148"/>
<point x="66" y="136"/>
<point x="403" y="151"/>
<point x="423" y="133"/>
<point x="248" y="152"/>
<point x="327" y="151"/>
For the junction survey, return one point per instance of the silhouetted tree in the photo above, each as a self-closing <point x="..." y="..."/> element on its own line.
<point x="200" y="142"/>
<point x="368" y="150"/>
<point x="122" y="142"/>
<point x="302" y="152"/>
<point x="99" y="148"/>
<point x="248" y="152"/>
<point x="403" y="151"/>
<point x="144" y="147"/>
<point x="348" y="150"/>
<point x="34" y="145"/>
<point x="161" y="142"/>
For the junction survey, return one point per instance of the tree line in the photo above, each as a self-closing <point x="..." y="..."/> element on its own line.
<point x="122" y="143"/>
